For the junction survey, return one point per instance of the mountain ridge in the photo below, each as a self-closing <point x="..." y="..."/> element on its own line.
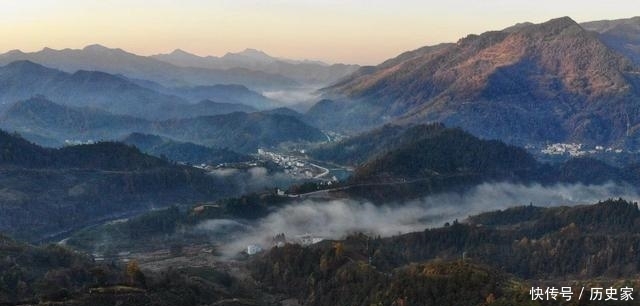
<point x="185" y="152"/>
<point x="117" y="61"/>
<point x="553" y="81"/>
<point x="304" y="71"/>
<point x="244" y="132"/>
<point x="50" y="191"/>
<point x="622" y="35"/>
<point x="22" y="80"/>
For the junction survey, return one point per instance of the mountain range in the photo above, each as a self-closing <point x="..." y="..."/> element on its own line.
<point x="432" y="135"/>
<point x="230" y="94"/>
<point x="306" y="72"/>
<point x="49" y="123"/>
<point x="118" y="61"/>
<point x="434" y="151"/>
<point x="557" y="81"/>
<point x="182" y="151"/>
<point x="250" y="68"/>
<point x="620" y="35"/>
<point x="49" y="191"/>
<point x="531" y="83"/>
<point x="395" y="163"/>
<point x="242" y="132"/>
<point x="22" y="80"/>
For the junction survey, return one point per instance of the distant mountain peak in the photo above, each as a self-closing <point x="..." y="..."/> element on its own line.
<point x="518" y="26"/>
<point x="101" y="48"/>
<point x="95" y="47"/>
<point x="253" y="60"/>
<point x="25" y="64"/>
<point x="251" y="51"/>
<point x="569" y="77"/>
<point x="564" y="20"/>
<point x="551" y="27"/>
<point x="253" y="54"/>
<point x="559" y="24"/>
<point x="14" y="52"/>
<point x="181" y="52"/>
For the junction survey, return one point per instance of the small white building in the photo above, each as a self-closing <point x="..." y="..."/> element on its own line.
<point x="308" y="239"/>
<point x="253" y="249"/>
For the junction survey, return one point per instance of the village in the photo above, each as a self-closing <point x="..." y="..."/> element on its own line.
<point x="576" y="149"/>
<point x="297" y="165"/>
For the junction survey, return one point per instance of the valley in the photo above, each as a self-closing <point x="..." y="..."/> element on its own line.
<point x="461" y="173"/>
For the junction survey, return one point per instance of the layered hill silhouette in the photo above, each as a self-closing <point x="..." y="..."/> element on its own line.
<point x="118" y="61"/>
<point x="49" y="191"/>
<point x="408" y="162"/>
<point x="22" y="80"/>
<point x="182" y="151"/>
<point x="531" y="83"/>
<point x="622" y="35"/>
<point x="306" y="72"/>
<point x="47" y="122"/>
<point x="438" y="152"/>
<point x="229" y="93"/>
<point x="240" y="131"/>
<point x="57" y="123"/>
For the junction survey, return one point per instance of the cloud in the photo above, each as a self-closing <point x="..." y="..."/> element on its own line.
<point x="255" y="179"/>
<point x="293" y="97"/>
<point x="337" y="218"/>
<point x="224" y="172"/>
<point x="218" y="225"/>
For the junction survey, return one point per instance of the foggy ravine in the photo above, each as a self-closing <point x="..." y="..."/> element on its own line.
<point x="300" y="99"/>
<point x="255" y="179"/>
<point x="337" y="218"/>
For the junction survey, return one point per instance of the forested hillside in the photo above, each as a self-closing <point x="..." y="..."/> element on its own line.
<point x="464" y="263"/>
<point x="49" y="191"/>
<point x="407" y="162"/>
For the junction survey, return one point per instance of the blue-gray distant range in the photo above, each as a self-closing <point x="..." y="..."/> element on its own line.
<point x="529" y="84"/>
<point x="251" y="68"/>
<point x="150" y="172"/>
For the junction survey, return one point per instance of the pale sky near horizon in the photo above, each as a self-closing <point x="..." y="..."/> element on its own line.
<point x="357" y="31"/>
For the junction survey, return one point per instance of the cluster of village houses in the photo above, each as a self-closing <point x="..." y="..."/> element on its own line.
<point x="293" y="165"/>
<point x="576" y="149"/>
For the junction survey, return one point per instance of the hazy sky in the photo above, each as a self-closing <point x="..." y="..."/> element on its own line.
<point x="357" y="31"/>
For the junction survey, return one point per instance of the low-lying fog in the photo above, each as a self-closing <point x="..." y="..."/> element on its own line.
<point x="255" y="179"/>
<point x="299" y="99"/>
<point x="337" y="218"/>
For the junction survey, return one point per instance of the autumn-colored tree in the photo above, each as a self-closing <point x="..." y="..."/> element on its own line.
<point x="339" y="248"/>
<point x="134" y="274"/>
<point x="490" y="299"/>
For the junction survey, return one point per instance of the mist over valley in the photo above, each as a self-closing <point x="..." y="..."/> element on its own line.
<point x="461" y="173"/>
